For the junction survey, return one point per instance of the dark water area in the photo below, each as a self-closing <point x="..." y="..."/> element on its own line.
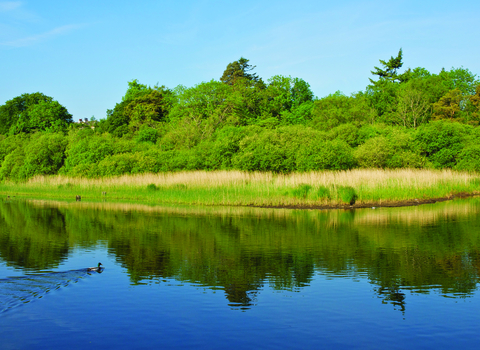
<point x="212" y="278"/>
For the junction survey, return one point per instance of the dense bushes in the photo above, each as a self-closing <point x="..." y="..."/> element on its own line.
<point x="441" y="142"/>
<point x="39" y="154"/>
<point x="86" y="153"/>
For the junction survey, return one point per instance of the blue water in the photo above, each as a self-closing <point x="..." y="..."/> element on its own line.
<point x="342" y="309"/>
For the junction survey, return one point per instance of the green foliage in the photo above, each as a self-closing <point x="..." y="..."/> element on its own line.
<point x="301" y="191"/>
<point x="368" y="131"/>
<point x="323" y="192"/>
<point x="448" y="107"/>
<point x="337" y="109"/>
<point x="290" y="100"/>
<point x="347" y="194"/>
<point x="199" y="111"/>
<point x="225" y="145"/>
<point x="441" y="142"/>
<point x="413" y="107"/>
<point x="84" y="150"/>
<point x="141" y="105"/>
<point x="395" y="149"/>
<point x="373" y="153"/>
<point x="389" y="73"/>
<point x="152" y="187"/>
<point x="273" y="150"/>
<point x="326" y="155"/>
<point x="239" y="70"/>
<point x="239" y="122"/>
<point x="461" y="79"/>
<point x="10" y="143"/>
<point x="12" y="166"/>
<point x="33" y="112"/>
<point x="44" y="154"/>
<point x="469" y="158"/>
<point x="147" y="134"/>
<point x="345" y="132"/>
<point x="382" y="97"/>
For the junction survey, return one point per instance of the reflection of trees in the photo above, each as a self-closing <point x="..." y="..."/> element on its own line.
<point x="240" y="254"/>
<point x="392" y="295"/>
<point x="32" y="238"/>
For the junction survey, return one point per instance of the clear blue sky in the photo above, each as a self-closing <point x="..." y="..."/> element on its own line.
<point x="83" y="52"/>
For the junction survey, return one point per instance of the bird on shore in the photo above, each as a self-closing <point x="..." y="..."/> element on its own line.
<point x="98" y="268"/>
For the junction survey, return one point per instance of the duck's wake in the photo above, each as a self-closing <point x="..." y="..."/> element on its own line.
<point x="15" y="291"/>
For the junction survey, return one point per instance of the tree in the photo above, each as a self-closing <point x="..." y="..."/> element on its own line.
<point x="44" y="154"/>
<point x="239" y="70"/>
<point x="288" y="99"/>
<point x="336" y="109"/>
<point x="448" y="107"/>
<point x="383" y="92"/>
<point x="390" y="69"/>
<point x="31" y="112"/>
<point x="141" y="105"/>
<point x="412" y="107"/>
<point x="459" y="78"/>
<point x="475" y="104"/>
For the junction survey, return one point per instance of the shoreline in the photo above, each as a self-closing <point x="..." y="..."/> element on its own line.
<point x="367" y="188"/>
<point x="373" y="205"/>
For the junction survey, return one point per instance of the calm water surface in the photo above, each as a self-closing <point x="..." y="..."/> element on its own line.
<point x="214" y="278"/>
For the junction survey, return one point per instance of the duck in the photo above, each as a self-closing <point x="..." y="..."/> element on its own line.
<point x="98" y="268"/>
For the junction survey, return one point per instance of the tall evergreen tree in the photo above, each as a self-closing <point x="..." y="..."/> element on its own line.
<point x="390" y="68"/>
<point x="239" y="70"/>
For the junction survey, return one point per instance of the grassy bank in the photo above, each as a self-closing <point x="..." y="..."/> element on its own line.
<point x="314" y="189"/>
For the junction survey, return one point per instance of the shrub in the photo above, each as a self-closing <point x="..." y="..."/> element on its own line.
<point x="12" y="166"/>
<point x="152" y="188"/>
<point x="225" y="145"/>
<point x="322" y="193"/>
<point x="347" y="194"/>
<point x="147" y="134"/>
<point x="441" y="142"/>
<point x="469" y="158"/>
<point x="347" y="133"/>
<point x="333" y="155"/>
<point x="273" y="150"/>
<point x="301" y="191"/>
<point x="87" y="150"/>
<point x="373" y="153"/>
<point x="44" y="154"/>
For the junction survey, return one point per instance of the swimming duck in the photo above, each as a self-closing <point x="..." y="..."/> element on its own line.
<point x="98" y="268"/>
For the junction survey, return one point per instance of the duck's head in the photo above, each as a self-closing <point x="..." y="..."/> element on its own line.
<point x="99" y="264"/>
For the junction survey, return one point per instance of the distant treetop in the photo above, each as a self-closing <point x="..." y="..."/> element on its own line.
<point x="239" y="70"/>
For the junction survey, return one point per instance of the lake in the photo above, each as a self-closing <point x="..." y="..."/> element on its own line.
<point x="222" y="277"/>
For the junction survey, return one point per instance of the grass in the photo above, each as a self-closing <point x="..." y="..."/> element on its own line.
<point x="327" y="188"/>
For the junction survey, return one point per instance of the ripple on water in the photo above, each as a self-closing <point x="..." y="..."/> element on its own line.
<point x="16" y="291"/>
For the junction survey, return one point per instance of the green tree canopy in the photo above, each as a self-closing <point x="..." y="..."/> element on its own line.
<point x="290" y="100"/>
<point x="390" y="68"/>
<point x="240" y="70"/>
<point x="141" y="105"/>
<point x="33" y="112"/>
<point x="448" y="107"/>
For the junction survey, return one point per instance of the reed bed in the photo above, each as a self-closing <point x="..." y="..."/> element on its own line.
<point x="325" y="188"/>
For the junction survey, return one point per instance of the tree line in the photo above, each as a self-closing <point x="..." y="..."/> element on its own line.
<point x="403" y="119"/>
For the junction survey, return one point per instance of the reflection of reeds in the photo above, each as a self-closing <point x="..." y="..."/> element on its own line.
<point x="423" y="215"/>
<point x="374" y="186"/>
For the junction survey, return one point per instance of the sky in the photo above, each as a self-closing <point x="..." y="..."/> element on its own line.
<point x="83" y="53"/>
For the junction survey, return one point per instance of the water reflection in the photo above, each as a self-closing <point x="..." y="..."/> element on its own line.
<point x="239" y="250"/>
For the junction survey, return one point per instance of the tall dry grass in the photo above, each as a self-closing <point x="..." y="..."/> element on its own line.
<point x="355" y="178"/>
<point x="259" y="188"/>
